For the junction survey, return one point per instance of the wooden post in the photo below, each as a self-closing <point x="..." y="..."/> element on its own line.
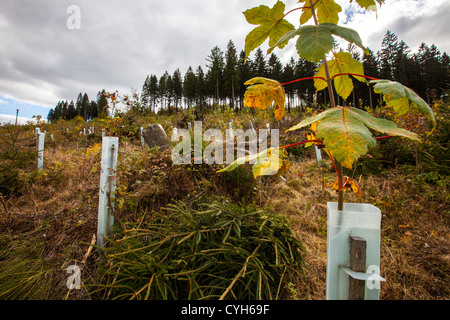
<point x="110" y="150"/>
<point x="358" y="264"/>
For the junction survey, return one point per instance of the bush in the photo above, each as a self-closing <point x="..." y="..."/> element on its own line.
<point x="220" y="250"/>
<point x="10" y="182"/>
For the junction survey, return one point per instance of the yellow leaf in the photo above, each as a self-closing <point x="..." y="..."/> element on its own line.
<point x="343" y="63"/>
<point x="349" y="183"/>
<point x="262" y="93"/>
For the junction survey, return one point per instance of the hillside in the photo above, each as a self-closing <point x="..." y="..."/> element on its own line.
<point x="48" y="218"/>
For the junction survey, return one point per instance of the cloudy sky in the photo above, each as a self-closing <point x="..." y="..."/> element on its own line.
<point x="119" y="42"/>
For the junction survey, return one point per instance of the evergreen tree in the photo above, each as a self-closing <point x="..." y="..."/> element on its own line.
<point x="163" y="89"/>
<point x="169" y="90"/>
<point x="65" y="112"/>
<point x="445" y="70"/>
<point x="177" y="87"/>
<point x="200" y="91"/>
<point x="145" y="94"/>
<point x="387" y="55"/>
<point x="153" y="91"/>
<point x="84" y="112"/>
<point x="401" y="67"/>
<point x="71" y="111"/>
<point x="288" y="75"/>
<point x="51" y="116"/>
<point x="215" y="73"/>
<point x="102" y="104"/>
<point x="78" y="104"/>
<point x="259" y="65"/>
<point x="245" y="74"/>
<point x="305" y="90"/>
<point x="274" y="68"/>
<point x="432" y="71"/>
<point x="190" y="87"/>
<point x="93" y="110"/>
<point x="231" y="74"/>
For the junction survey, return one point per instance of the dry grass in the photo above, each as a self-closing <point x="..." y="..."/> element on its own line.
<point x="414" y="230"/>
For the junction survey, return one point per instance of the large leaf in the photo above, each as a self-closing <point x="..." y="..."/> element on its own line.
<point x="271" y="25"/>
<point x="316" y="41"/>
<point x="402" y="99"/>
<point x="345" y="132"/>
<point x="342" y="63"/>
<point x="263" y="92"/>
<point x="327" y="11"/>
<point x="263" y="162"/>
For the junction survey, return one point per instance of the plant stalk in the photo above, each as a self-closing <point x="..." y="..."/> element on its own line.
<point x="333" y="105"/>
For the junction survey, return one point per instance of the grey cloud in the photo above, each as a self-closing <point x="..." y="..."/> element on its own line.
<point x="120" y="42"/>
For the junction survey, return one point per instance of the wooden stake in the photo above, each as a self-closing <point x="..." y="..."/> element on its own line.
<point x="358" y="264"/>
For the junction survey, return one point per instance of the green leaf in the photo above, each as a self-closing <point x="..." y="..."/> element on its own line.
<point x="263" y="92"/>
<point x="271" y="25"/>
<point x="402" y="99"/>
<point x="345" y="132"/>
<point x="342" y="63"/>
<point x="316" y="41"/>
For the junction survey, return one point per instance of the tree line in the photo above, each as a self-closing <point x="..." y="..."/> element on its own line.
<point x="88" y="109"/>
<point x="427" y="72"/>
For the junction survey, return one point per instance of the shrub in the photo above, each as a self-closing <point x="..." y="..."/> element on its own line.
<point x="219" y="250"/>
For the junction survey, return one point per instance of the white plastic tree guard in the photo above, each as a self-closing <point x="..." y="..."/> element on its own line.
<point x="110" y="150"/>
<point x="318" y="155"/>
<point x="40" y="142"/>
<point x="356" y="220"/>
<point x="142" y="137"/>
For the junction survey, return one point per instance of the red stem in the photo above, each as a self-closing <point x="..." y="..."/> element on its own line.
<point x="337" y="173"/>
<point x="354" y="74"/>
<point x="297" y="143"/>
<point x="302" y="79"/>
<point x="336" y="75"/>
<point x="384" y="137"/>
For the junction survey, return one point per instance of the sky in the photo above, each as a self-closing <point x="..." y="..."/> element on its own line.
<point x="51" y="50"/>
